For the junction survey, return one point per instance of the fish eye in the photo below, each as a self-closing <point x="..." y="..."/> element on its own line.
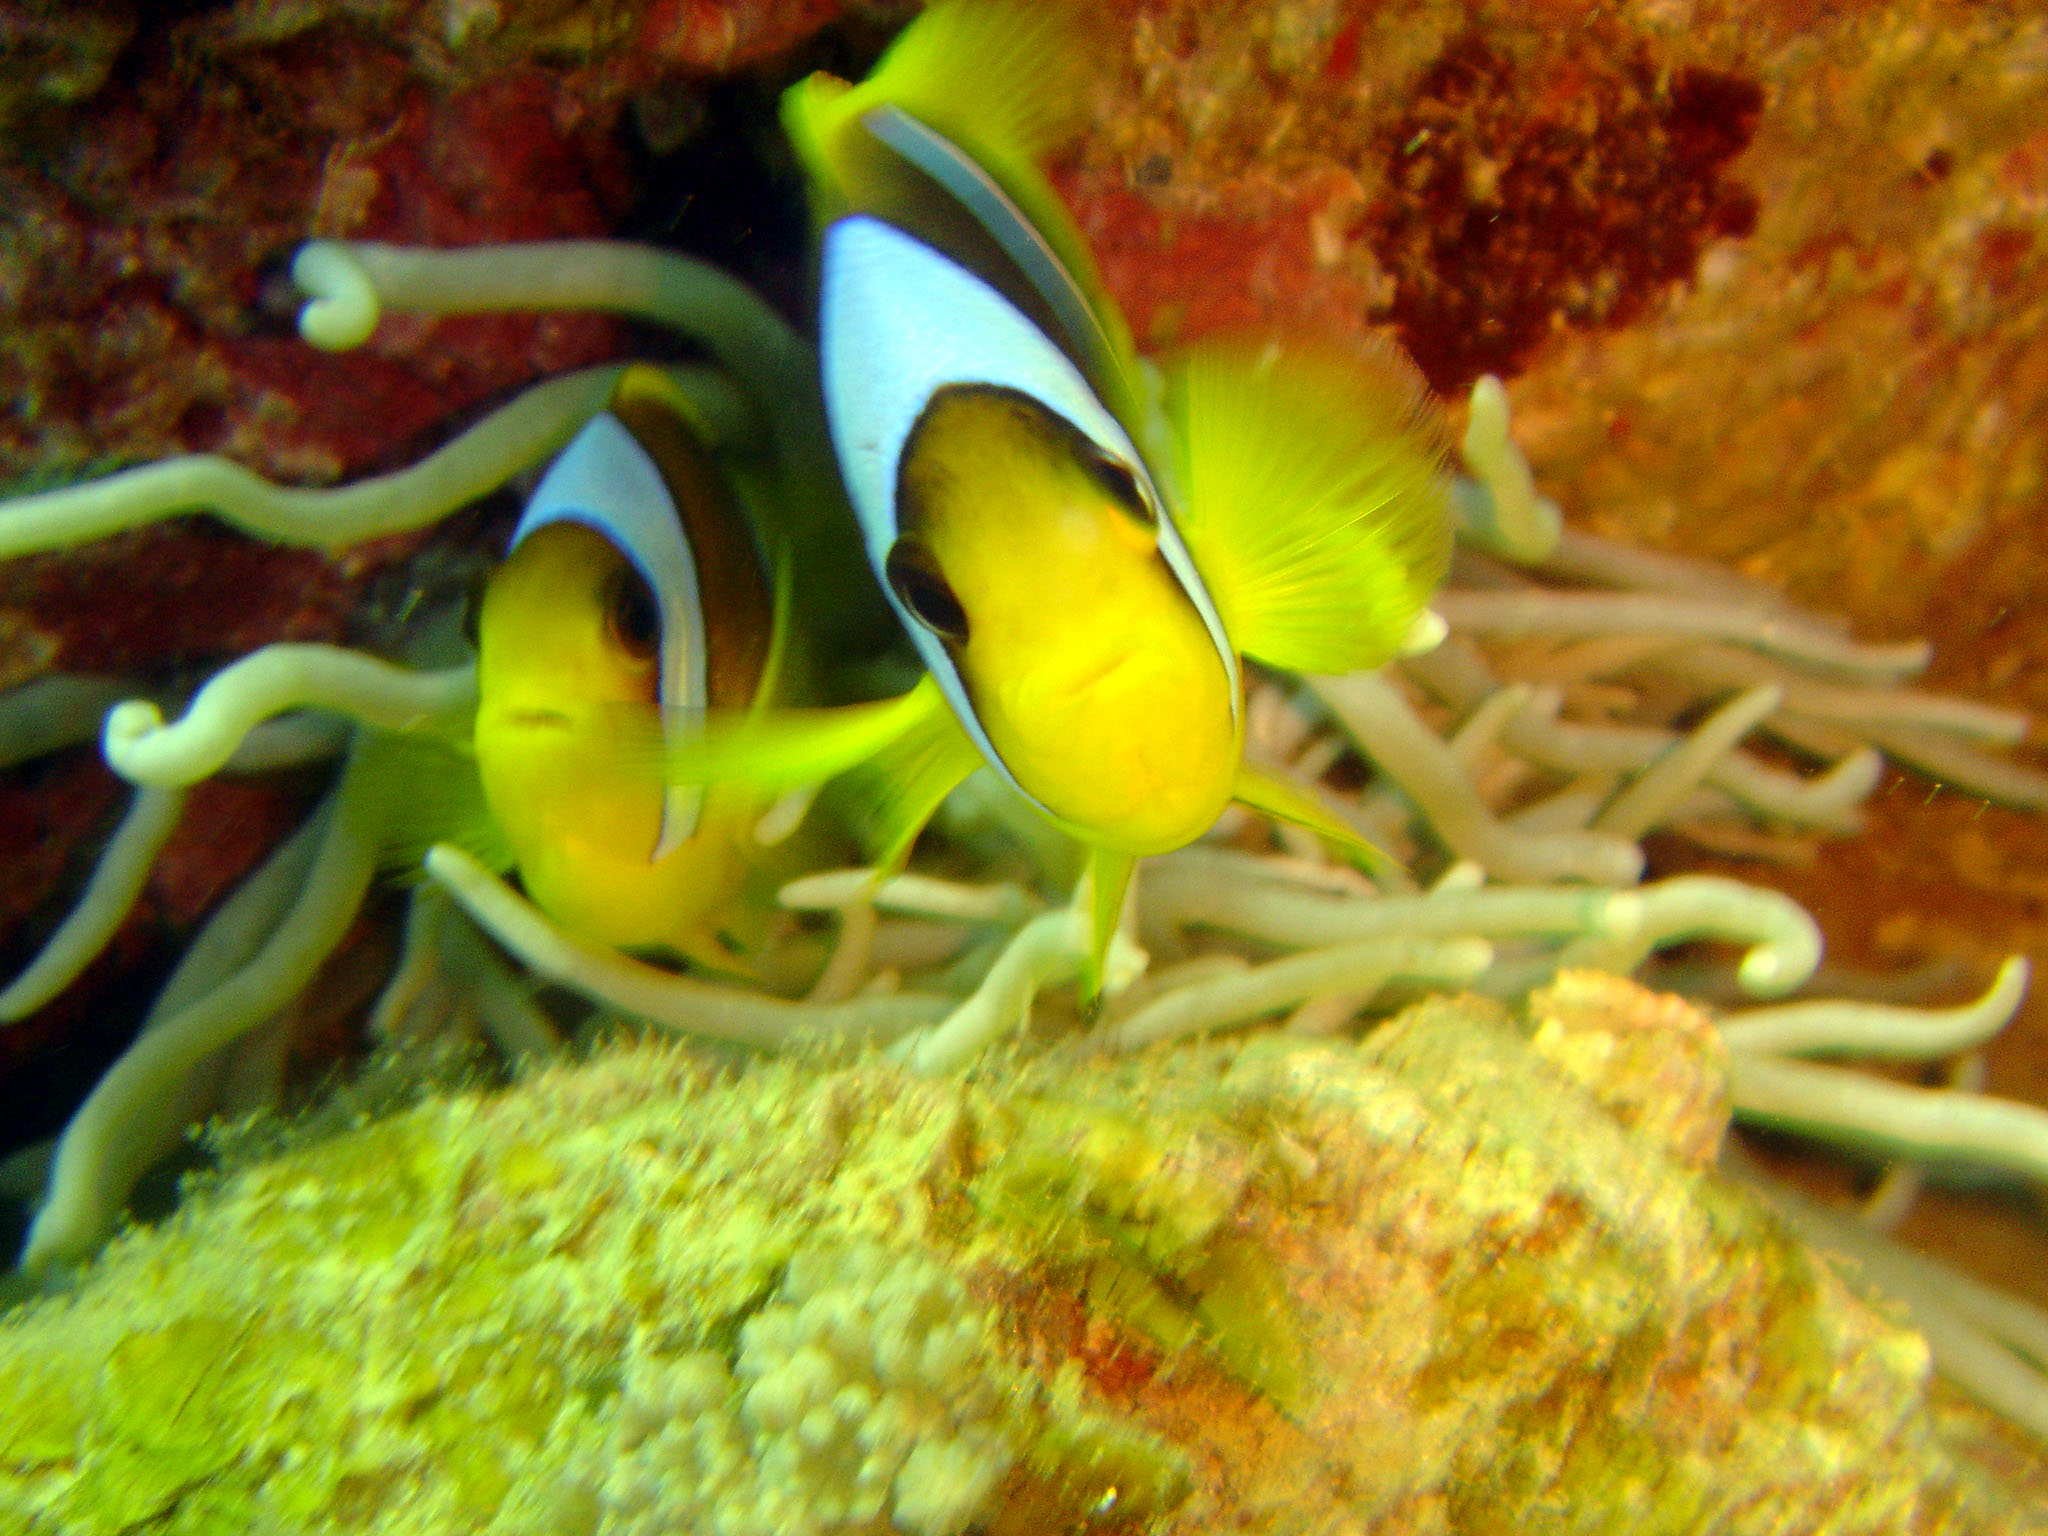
<point x="923" y="590"/>
<point x="1119" y="482"/>
<point x="630" y="614"/>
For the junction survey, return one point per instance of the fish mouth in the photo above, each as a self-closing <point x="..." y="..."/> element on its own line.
<point x="534" y="719"/>
<point x="1082" y="686"/>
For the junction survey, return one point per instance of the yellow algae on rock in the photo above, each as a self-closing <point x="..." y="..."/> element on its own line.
<point x="1436" y="1282"/>
<point x="1655" y="1063"/>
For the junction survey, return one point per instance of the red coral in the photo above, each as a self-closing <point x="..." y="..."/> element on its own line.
<point x="1178" y="276"/>
<point x="1513" y="208"/>
<point x="169" y="598"/>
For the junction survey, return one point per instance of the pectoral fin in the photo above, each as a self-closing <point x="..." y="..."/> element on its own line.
<point x="900" y="789"/>
<point x="776" y="750"/>
<point x="1276" y="797"/>
<point x="1313" y="499"/>
<point x="1109" y="877"/>
<point x="424" y="790"/>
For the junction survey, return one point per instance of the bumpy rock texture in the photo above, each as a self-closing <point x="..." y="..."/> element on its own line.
<point x="1444" y="1281"/>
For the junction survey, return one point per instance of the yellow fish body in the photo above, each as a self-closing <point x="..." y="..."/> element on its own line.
<point x="1079" y="557"/>
<point x="1088" y="672"/>
<point x="632" y="596"/>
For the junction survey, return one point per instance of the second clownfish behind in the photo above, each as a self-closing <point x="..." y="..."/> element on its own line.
<point x="633" y="597"/>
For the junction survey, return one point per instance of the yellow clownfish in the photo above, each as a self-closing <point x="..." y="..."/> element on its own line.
<point x="1080" y="560"/>
<point x="632" y="596"/>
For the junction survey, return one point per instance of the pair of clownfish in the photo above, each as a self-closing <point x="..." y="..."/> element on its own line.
<point x="1080" y="549"/>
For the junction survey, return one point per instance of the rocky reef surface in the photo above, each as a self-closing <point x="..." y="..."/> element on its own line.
<point x="1476" y="1273"/>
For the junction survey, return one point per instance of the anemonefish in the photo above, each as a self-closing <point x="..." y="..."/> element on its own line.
<point x="1080" y="557"/>
<point x="633" y="596"/>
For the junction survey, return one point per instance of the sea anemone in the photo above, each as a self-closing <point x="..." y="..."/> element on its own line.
<point x="1515" y="787"/>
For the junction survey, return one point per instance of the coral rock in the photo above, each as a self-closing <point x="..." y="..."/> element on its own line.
<point x="1423" y="1284"/>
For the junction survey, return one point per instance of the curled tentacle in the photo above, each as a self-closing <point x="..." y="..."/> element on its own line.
<point x="142" y="748"/>
<point x="1875" y="1029"/>
<point x="350" y="284"/>
<point x="1782" y="941"/>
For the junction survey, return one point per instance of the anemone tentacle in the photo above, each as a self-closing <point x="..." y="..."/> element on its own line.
<point x="1992" y="1344"/>
<point x="1664" y="783"/>
<point x="116" y="883"/>
<point x="925" y="895"/>
<point x="55" y="711"/>
<point x="1048" y="949"/>
<point x="515" y="436"/>
<point x="350" y="283"/>
<point x="142" y="748"/>
<point x="256" y="954"/>
<point x="1386" y="727"/>
<point x="1665" y="617"/>
<point x="1873" y="1029"/>
<point x="661" y="998"/>
<point x="1499" y="509"/>
<point x="1519" y="766"/>
<point x="1358" y="970"/>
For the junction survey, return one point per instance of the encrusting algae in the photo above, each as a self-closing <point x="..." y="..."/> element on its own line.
<point x="1457" y="1277"/>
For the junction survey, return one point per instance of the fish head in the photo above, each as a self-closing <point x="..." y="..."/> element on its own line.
<point x="1032" y="556"/>
<point x="629" y="602"/>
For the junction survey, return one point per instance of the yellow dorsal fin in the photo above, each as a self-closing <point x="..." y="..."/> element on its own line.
<point x="1005" y="79"/>
<point x="1004" y="82"/>
<point x="1312" y="497"/>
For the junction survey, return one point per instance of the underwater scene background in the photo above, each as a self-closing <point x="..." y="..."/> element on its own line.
<point x="1766" y="285"/>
